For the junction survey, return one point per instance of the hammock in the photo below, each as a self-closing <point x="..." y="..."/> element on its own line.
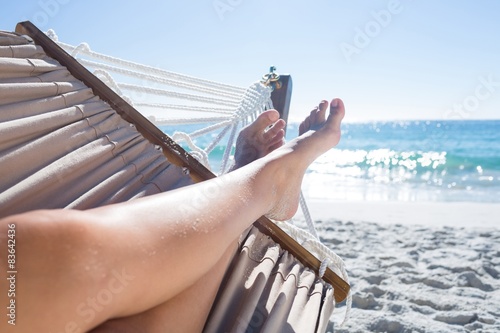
<point x="69" y="141"/>
<point x="149" y="89"/>
<point x="234" y="108"/>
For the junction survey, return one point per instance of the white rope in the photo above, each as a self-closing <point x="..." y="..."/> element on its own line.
<point x="168" y="93"/>
<point x="201" y="155"/>
<point x="109" y="80"/>
<point x="229" y="146"/>
<point x="84" y="49"/>
<point x="315" y="246"/>
<point x="186" y="121"/>
<point x="218" y="138"/>
<point x="307" y="216"/>
<point x="211" y="128"/>
<point x="227" y="111"/>
<point x="323" y="267"/>
<point x="155" y="78"/>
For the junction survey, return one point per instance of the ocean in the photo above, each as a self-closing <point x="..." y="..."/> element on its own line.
<point x="444" y="161"/>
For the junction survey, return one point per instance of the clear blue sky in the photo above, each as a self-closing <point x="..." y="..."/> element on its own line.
<point x="387" y="59"/>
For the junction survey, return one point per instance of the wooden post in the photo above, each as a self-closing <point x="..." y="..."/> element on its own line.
<point x="282" y="97"/>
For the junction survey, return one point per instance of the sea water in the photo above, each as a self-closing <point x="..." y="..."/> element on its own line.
<point x="404" y="161"/>
<point x="411" y="161"/>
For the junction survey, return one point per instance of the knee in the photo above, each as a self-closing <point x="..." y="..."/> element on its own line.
<point x="48" y="241"/>
<point x="51" y="249"/>
<point x="48" y="228"/>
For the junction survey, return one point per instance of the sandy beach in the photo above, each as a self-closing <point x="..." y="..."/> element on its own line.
<point x="416" y="267"/>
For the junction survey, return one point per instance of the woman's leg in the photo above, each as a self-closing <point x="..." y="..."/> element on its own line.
<point x="115" y="261"/>
<point x="188" y="311"/>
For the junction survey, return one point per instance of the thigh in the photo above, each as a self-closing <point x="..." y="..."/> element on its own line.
<point x="186" y="312"/>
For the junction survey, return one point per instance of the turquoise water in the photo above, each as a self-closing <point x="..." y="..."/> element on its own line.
<point x="406" y="161"/>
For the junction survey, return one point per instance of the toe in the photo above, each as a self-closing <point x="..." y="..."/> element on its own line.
<point x="278" y="143"/>
<point x="264" y="120"/>
<point x="304" y="126"/>
<point x="321" y="114"/>
<point x="337" y="112"/>
<point x="312" y="116"/>
<point x="274" y="130"/>
<point x="278" y="138"/>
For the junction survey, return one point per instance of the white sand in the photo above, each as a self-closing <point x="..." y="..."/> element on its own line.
<point x="423" y="267"/>
<point x="457" y="214"/>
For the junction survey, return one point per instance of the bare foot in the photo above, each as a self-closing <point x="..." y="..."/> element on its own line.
<point x="259" y="138"/>
<point x="317" y="136"/>
<point x="316" y="118"/>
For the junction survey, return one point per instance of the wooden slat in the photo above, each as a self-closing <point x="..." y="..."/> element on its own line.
<point x="267" y="227"/>
<point x="173" y="151"/>
<point x="282" y="97"/>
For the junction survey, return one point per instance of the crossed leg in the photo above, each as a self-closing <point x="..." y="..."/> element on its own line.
<point x="163" y="254"/>
<point x="185" y="312"/>
<point x="256" y="140"/>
